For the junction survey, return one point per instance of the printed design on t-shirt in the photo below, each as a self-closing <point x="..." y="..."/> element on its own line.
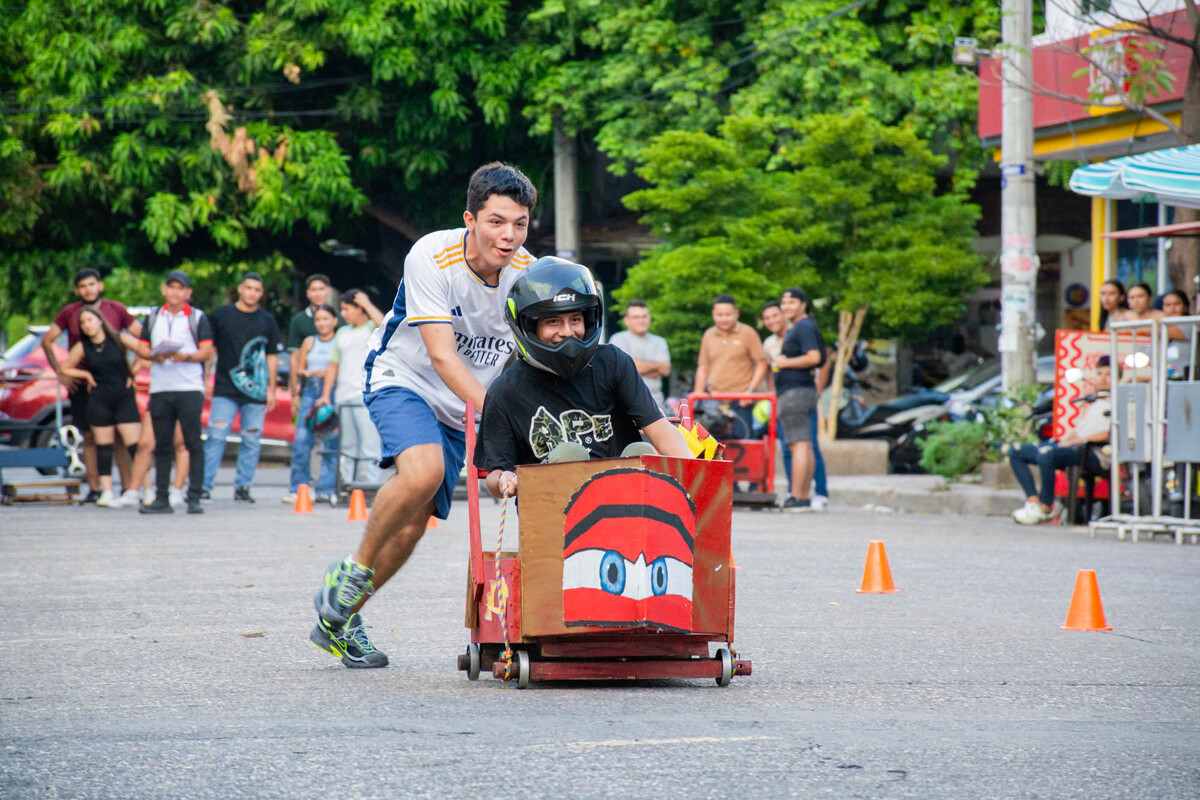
<point x="250" y="374"/>
<point x="546" y="431"/>
<point x="483" y="351"/>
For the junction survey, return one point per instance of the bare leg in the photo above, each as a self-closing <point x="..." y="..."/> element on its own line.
<point x="182" y="459"/>
<point x="400" y="512"/>
<point x="131" y="434"/>
<point x="144" y="456"/>
<point x="802" y="469"/>
<point x="124" y="462"/>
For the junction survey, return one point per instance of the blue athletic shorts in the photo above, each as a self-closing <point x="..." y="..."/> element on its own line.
<point x="405" y="420"/>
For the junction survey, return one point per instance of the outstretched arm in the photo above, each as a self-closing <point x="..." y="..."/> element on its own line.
<point x="666" y="439"/>
<point x="443" y="353"/>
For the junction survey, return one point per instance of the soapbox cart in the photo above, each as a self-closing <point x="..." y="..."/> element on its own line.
<point x="753" y="458"/>
<point x="623" y="571"/>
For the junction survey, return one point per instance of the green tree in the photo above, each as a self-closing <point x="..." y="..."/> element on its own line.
<point x="624" y="71"/>
<point x="847" y="207"/>
<point x="145" y="134"/>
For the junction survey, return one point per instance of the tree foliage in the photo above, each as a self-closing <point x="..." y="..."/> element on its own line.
<point x="623" y="71"/>
<point x="113" y="153"/>
<point x="840" y="204"/>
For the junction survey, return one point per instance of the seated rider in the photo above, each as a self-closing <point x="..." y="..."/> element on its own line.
<point x="565" y="390"/>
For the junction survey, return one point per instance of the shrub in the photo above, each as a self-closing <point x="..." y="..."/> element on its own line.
<point x="952" y="449"/>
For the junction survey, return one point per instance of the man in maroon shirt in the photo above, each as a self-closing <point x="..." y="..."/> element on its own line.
<point x="88" y="288"/>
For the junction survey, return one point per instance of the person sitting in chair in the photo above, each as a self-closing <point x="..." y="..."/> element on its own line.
<point x="1071" y="450"/>
<point x="566" y="397"/>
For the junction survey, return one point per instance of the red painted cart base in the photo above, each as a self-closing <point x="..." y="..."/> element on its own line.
<point x="636" y="658"/>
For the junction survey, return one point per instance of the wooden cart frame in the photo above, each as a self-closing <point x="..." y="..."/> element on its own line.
<point x="516" y="623"/>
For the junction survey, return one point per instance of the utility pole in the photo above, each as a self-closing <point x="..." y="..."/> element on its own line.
<point x="566" y="194"/>
<point x="1018" y="215"/>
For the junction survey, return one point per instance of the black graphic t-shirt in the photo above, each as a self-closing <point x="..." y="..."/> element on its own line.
<point x="243" y="341"/>
<point x="801" y="338"/>
<point x="528" y="411"/>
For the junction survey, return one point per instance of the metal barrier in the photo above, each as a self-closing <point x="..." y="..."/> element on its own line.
<point x="1155" y="425"/>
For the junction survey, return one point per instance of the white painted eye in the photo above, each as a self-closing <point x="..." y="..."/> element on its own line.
<point x="618" y="576"/>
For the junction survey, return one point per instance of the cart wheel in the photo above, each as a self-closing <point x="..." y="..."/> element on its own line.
<point x="472" y="662"/>
<point x="522" y="669"/>
<point x="726" y="675"/>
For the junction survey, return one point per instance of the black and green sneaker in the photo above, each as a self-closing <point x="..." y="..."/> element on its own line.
<point x="347" y="584"/>
<point x="351" y="644"/>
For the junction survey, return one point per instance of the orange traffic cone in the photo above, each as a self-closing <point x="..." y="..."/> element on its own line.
<point x="431" y="524"/>
<point x="303" y="500"/>
<point x="877" y="575"/>
<point x="358" y="506"/>
<point x="1086" y="612"/>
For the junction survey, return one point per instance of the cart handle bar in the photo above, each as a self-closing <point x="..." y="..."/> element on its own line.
<point x="473" y="532"/>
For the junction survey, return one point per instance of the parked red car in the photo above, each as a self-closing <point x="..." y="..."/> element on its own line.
<point x="28" y="388"/>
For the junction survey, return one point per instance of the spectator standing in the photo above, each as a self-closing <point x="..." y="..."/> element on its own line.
<point x="89" y="288"/>
<point x="314" y="359"/>
<point x="248" y="345"/>
<point x="1141" y="303"/>
<point x="731" y="358"/>
<point x="802" y="354"/>
<point x="133" y="496"/>
<point x="359" y="450"/>
<point x="145" y="458"/>
<point x="1114" y="305"/>
<point x="177" y="340"/>
<point x="317" y="289"/>
<point x="99" y="360"/>
<point x="649" y="352"/>
<point x="773" y="320"/>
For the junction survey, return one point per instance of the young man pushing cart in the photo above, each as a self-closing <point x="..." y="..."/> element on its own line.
<point x="442" y="343"/>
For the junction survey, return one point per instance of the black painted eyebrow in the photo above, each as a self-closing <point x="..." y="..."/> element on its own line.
<point x="629" y="511"/>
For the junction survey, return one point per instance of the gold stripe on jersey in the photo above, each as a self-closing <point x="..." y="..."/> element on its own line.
<point x="441" y="261"/>
<point x="458" y="260"/>
<point x="447" y="250"/>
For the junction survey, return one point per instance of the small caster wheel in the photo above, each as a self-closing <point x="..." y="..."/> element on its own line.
<point x="522" y="669"/>
<point x="472" y="662"/>
<point x="726" y="676"/>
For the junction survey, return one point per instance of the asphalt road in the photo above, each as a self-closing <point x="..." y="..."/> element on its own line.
<point x="168" y="657"/>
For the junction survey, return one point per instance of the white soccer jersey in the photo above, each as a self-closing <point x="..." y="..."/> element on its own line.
<point x="438" y="288"/>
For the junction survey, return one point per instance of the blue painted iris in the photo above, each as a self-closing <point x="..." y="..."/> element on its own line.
<point x="658" y="575"/>
<point x="612" y="572"/>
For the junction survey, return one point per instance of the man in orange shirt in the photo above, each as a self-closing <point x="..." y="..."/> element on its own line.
<point x="731" y="358"/>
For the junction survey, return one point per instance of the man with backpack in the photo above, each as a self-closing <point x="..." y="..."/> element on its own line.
<point x="802" y="354"/>
<point x="177" y="339"/>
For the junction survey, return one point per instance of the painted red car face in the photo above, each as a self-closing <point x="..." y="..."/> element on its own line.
<point x="628" y="552"/>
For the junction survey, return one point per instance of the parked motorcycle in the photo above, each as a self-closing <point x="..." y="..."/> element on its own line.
<point x="893" y="421"/>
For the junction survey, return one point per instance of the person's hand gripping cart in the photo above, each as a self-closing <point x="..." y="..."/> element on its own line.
<point x="609" y="531"/>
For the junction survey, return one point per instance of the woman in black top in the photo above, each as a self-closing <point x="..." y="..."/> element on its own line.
<point x="99" y="360"/>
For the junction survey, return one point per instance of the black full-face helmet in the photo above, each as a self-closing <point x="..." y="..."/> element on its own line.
<point x="549" y="287"/>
